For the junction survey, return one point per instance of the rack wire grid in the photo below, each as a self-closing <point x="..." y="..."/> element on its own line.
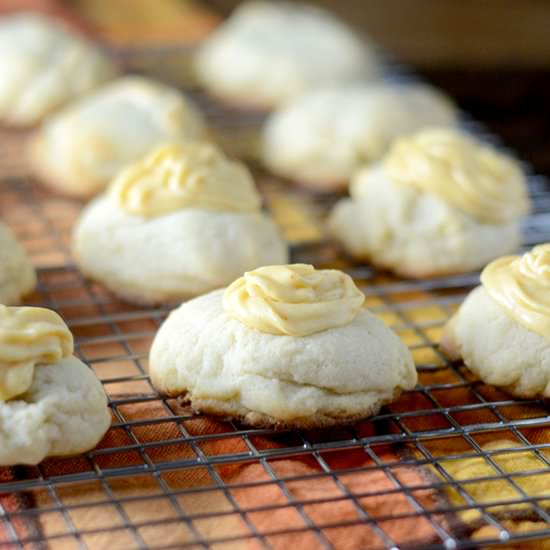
<point x="433" y="470"/>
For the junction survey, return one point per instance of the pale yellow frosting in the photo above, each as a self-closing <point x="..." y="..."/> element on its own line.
<point x="295" y="300"/>
<point x="29" y="336"/>
<point x="466" y="174"/>
<point x="193" y="175"/>
<point x="521" y="285"/>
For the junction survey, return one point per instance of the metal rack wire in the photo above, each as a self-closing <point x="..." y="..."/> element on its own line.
<point x="166" y="478"/>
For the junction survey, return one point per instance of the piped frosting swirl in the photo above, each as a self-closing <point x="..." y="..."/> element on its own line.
<point x="294" y="300"/>
<point x="29" y="337"/>
<point x="461" y="171"/>
<point x="185" y="175"/>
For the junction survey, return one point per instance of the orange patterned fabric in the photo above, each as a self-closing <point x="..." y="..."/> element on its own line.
<point x="250" y="485"/>
<point x="338" y="493"/>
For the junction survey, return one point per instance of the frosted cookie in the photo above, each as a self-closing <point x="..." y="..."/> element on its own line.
<point x="283" y="346"/>
<point x="80" y="149"/>
<point x="43" y="67"/>
<point x="440" y="202"/>
<point x="51" y="404"/>
<point x="180" y="222"/>
<point x="502" y="330"/>
<point x="323" y="137"/>
<point x="17" y="275"/>
<point x="267" y="53"/>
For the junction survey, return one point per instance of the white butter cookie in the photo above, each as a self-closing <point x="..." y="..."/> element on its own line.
<point x="269" y="52"/>
<point x="44" y="66"/>
<point x="323" y="137"/>
<point x="80" y="149"/>
<point x="51" y="404"/>
<point x="502" y="330"/>
<point x="183" y="221"/>
<point x="284" y="347"/>
<point x="439" y="203"/>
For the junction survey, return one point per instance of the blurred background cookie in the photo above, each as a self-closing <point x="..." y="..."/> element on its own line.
<point x="323" y="137"/>
<point x="80" y="149"/>
<point x="268" y="53"/>
<point x="44" y="66"/>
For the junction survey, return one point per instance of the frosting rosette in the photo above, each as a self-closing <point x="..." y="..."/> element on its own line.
<point x="521" y="285"/>
<point x="295" y="300"/>
<point x="185" y="175"/>
<point x="29" y="336"/>
<point x="463" y="172"/>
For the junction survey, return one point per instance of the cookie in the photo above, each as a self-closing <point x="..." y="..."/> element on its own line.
<point x="51" y="404"/>
<point x="183" y="221"/>
<point x="440" y="202"/>
<point x="322" y="138"/>
<point x="17" y="275"/>
<point x="44" y="66"/>
<point x="283" y="347"/>
<point x="269" y="52"/>
<point x="502" y="330"/>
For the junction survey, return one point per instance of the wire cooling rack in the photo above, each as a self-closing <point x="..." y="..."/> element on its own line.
<point x="166" y="478"/>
